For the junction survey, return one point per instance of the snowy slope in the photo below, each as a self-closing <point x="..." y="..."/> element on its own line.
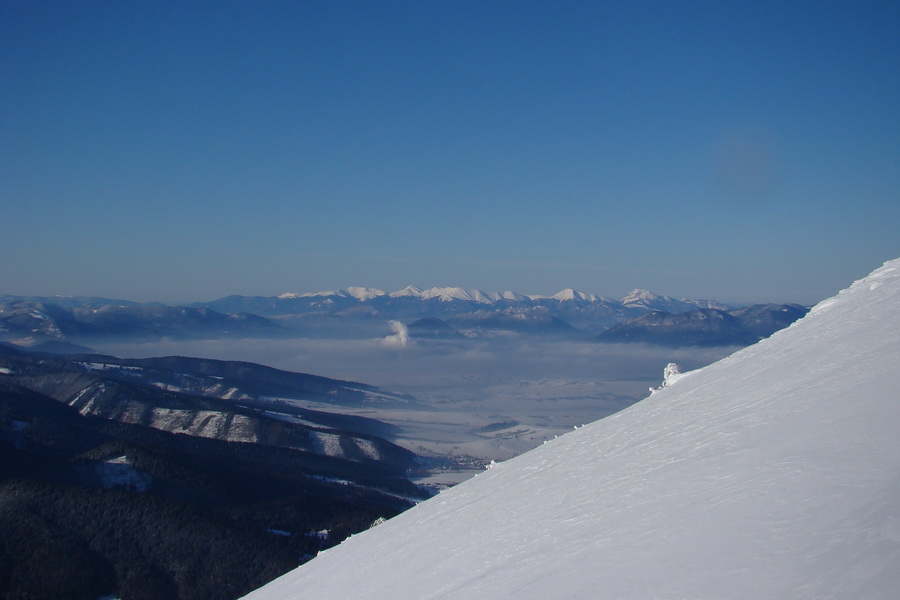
<point x="774" y="473"/>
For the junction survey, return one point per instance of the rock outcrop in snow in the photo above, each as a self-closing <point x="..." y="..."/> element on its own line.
<point x="774" y="473"/>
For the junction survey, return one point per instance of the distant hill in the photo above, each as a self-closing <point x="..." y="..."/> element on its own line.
<point x="431" y="327"/>
<point x="705" y="326"/>
<point x="40" y="321"/>
<point x="180" y="478"/>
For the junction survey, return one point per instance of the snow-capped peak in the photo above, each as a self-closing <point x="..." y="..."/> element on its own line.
<point x="364" y="293"/>
<point x="637" y="295"/>
<point x="637" y="299"/>
<point x="647" y="300"/>
<point x="514" y="296"/>
<point x="323" y="294"/>
<point x="409" y="290"/>
<point x="570" y="295"/>
<point x="447" y="294"/>
<point x="360" y="293"/>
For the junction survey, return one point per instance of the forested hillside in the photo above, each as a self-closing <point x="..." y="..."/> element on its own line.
<point x="91" y="505"/>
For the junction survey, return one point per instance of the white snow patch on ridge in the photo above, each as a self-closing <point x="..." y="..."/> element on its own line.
<point x="364" y="293"/>
<point x="571" y="295"/>
<point x="360" y="293"/>
<point x="447" y="294"/>
<point x="774" y="473"/>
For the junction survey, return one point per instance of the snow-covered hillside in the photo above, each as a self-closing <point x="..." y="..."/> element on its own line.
<point x="774" y="473"/>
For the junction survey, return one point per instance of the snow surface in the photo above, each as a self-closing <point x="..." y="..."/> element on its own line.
<point x="773" y="473"/>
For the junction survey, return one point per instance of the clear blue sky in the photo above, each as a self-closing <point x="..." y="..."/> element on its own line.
<point x="177" y="151"/>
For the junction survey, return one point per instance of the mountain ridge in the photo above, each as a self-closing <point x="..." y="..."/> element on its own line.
<point x="704" y="326"/>
<point x="637" y="297"/>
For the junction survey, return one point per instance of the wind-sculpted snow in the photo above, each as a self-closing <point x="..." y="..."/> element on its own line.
<point x="773" y="473"/>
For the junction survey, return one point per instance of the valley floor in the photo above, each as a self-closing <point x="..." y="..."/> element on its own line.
<point x="474" y="402"/>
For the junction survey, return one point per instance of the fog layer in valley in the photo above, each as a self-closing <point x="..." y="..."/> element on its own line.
<point x="476" y="400"/>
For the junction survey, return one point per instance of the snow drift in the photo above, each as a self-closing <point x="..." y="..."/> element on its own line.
<point x="774" y="473"/>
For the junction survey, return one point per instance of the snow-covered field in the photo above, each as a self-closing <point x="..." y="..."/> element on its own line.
<point x="774" y="473"/>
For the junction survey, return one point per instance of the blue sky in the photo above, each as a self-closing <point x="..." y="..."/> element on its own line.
<point x="181" y="151"/>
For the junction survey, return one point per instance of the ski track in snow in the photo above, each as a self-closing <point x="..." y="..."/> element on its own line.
<point x="773" y="473"/>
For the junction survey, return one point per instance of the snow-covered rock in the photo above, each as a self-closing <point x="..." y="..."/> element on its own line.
<point x="671" y="374"/>
<point x="774" y="473"/>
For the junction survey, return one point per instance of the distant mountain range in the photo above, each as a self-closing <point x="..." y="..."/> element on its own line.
<point x="579" y="309"/>
<point x="365" y="312"/>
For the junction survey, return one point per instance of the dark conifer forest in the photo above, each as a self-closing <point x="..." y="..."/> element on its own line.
<point x="91" y="506"/>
